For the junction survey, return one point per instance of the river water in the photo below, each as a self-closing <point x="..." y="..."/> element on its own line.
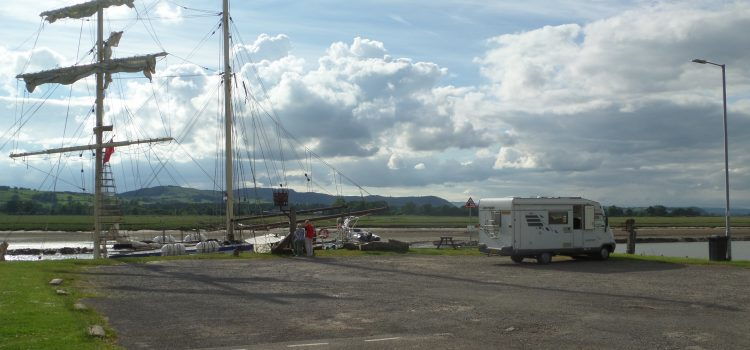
<point x="740" y="249"/>
<point x="50" y="245"/>
<point x="699" y="250"/>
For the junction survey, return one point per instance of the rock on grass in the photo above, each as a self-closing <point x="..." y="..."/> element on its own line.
<point x="96" y="331"/>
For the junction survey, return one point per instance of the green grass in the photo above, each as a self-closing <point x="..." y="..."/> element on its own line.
<point x="681" y="221"/>
<point x="684" y="261"/>
<point x="416" y="221"/>
<point x="34" y="317"/>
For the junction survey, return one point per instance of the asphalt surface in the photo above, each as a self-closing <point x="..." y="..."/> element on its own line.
<point x="423" y="302"/>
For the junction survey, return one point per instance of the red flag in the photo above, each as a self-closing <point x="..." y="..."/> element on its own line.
<point x="108" y="153"/>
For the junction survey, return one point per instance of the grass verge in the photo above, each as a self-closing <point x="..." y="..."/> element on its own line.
<point x="35" y="317"/>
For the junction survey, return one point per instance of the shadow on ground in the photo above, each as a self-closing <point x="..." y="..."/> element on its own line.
<point x="595" y="266"/>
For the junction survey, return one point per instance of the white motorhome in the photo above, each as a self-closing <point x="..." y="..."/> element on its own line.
<point x="543" y="227"/>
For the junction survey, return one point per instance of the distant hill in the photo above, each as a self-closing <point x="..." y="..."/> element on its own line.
<point x="77" y="201"/>
<point x="172" y="194"/>
<point x="184" y="194"/>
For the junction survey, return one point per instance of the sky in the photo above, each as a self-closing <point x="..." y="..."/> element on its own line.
<point x="597" y="99"/>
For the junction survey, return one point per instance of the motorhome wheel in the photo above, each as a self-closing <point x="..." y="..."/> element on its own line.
<point x="516" y="258"/>
<point x="544" y="258"/>
<point x="604" y="253"/>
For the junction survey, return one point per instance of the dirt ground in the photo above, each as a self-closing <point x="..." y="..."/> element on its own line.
<point x="423" y="302"/>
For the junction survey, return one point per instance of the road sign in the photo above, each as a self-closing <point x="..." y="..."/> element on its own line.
<point x="470" y="203"/>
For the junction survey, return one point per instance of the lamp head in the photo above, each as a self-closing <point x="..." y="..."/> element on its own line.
<point x="698" y="60"/>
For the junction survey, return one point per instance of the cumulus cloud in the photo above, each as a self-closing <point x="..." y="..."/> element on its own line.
<point x="625" y="60"/>
<point x="172" y="14"/>
<point x="359" y="98"/>
<point x="610" y="109"/>
<point x="615" y="102"/>
<point x="267" y="47"/>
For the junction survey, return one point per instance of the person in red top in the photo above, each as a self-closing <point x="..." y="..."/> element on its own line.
<point x="309" y="236"/>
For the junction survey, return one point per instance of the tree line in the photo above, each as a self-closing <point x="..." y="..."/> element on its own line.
<point x="45" y="203"/>
<point x="50" y="203"/>
<point x="655" y="210"/>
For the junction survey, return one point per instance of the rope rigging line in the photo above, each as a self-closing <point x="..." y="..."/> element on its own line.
<point x="28" y="115"/>
<point x="195" y="161"/>
<point x="200" y="43"/>
<point x="194" y="9"/>
<point x="36" y="41"/>
<point x="158" y="109"/>
<point x="275" y="118"/>
<point x="150" y="27"/>
<point x="158" y="18"/>
<point x="165" y="76"/>
<point x="28" y="165"/>
<point x="279" y="176"/>
<point x="280" y="128"/>
<point x="310" y="183"/>
<point x="67" y="113"/>
<point x="33" y="34"/>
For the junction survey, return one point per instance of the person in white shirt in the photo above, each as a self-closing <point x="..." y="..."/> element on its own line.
<point x="298" y="241"/>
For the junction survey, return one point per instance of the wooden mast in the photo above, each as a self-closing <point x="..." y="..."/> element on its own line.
<point x="79" y="11"/>
<point x="228" y="125"/>
<point x="98" y="131"/>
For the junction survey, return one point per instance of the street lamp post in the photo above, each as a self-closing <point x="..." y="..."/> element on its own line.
<point x="726" y="155"/>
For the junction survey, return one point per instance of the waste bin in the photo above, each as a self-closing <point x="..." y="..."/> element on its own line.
<point x="717" y="248"/>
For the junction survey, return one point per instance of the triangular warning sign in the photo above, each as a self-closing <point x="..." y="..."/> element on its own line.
<point x="470" y="203"/>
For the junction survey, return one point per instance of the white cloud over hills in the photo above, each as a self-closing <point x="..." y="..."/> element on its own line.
<point x="610" y="109"/>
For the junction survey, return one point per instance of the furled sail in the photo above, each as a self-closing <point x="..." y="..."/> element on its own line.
<point x="83" y="10"/>
<point x="69" y="75"/>
<point x="113" y="41"/>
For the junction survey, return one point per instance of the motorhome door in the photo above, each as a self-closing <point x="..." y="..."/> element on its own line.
<point x="503" y="221"/>
<point x="507" y="226"/>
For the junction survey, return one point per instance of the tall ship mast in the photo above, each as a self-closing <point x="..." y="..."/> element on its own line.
<point x="243" y="131"/>
<point x="103" y="69"/>
<point x="228" y="116"/>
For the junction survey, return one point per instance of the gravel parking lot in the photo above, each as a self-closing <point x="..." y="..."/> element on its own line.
<point x="423" y="302"/>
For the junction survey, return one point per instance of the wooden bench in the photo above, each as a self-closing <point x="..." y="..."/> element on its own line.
<point x="446" y="240"/>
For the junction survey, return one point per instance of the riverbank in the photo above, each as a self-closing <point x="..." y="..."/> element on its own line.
<point x="79" y="242"/>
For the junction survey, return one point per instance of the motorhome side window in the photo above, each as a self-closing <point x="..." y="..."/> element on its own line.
<point x="496" y="218"/>
<point x="558" y="218"/>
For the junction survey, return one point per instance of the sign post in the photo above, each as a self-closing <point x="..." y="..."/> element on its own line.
<point x="470" y="204"/>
